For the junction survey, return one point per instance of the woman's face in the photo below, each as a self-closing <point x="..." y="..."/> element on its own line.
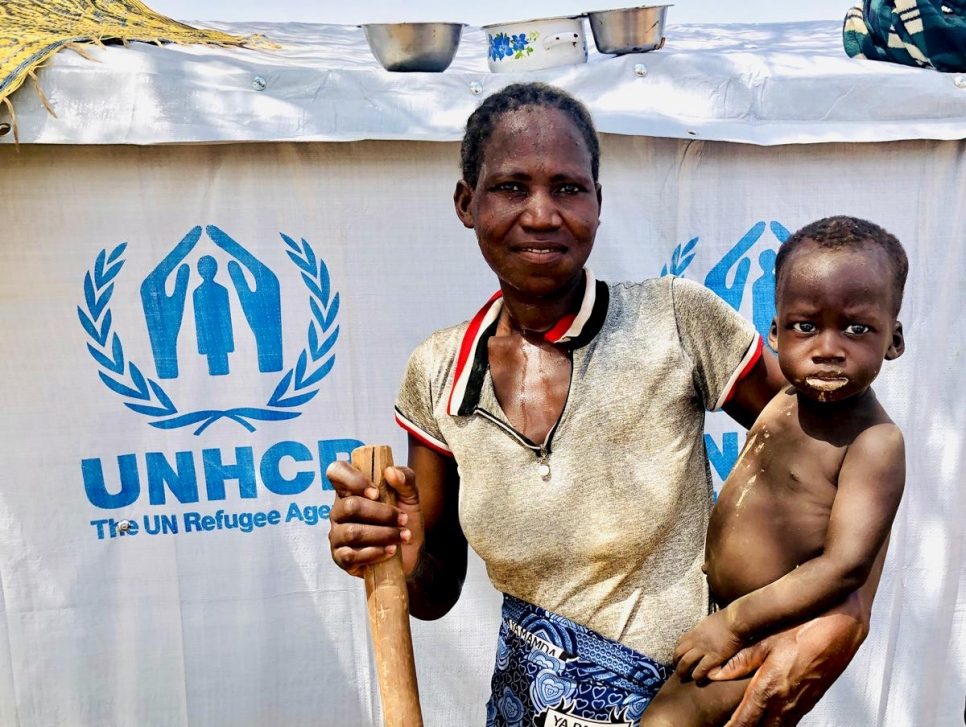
<point x="536" y="207"/>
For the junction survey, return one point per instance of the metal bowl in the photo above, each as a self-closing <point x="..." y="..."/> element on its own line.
<point x="414" y="46"/>
<point x="628" y="30"/>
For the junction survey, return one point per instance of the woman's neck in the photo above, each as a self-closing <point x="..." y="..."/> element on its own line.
<point x="531" y="316"/>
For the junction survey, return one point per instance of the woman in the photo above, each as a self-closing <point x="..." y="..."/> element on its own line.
<point x="566" y="421"/>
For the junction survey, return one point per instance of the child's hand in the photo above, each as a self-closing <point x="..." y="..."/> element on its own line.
<point x="709" y="644"/>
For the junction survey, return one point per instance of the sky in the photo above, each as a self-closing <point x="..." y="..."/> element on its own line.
<point x="491" y="11"/>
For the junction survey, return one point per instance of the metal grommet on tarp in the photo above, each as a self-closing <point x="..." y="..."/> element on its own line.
<point x="5" y="128"/>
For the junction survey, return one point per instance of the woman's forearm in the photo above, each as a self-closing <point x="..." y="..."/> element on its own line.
<point x="435" y="584"/>
<point x="436" y="579"/>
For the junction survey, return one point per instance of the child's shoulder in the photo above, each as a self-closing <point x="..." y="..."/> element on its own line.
<point x="871" y="423"/>
<point x="876" y="461"/>
<point x="882" y="439"/>
<point x="866" y="425"/>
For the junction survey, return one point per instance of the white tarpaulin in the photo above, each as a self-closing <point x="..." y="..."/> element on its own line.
<point x="779" y="83"/>
<point x="220" y="605"/>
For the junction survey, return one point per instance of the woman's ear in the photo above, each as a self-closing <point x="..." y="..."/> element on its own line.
<point x="898" y="345"/>
<point x="463" y="201"/>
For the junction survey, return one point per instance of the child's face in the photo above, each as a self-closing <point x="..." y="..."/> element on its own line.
<point x="834" y="323"/>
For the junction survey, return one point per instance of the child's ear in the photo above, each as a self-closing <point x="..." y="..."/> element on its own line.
<point x="898" y="344"/>
<point x="773" y="334"/>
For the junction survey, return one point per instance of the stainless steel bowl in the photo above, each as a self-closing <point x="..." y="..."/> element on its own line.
<point x="628" y="30"/>
<point x="414" y="46"/>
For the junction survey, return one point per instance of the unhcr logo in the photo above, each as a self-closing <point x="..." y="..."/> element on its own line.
<point x="731" y="278"/>
<point x="212" y="314"/>
<point x="257" y="291"/>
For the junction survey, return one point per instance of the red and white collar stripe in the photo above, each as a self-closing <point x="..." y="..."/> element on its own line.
<point x="566" y="329"/>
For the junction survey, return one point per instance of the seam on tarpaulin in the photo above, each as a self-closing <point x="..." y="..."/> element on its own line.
<point x="184" y="655"/>
<point x="949" y="133"/>
<point x="13" y="671"/>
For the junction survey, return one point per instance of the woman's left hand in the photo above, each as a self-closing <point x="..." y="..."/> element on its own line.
<point x="795" y="668"/>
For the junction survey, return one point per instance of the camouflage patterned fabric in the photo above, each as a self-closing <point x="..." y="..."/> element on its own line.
<point x="924" y="33"/>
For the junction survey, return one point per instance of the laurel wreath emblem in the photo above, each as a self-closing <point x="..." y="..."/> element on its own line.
<point x="144" y="395"/>
<point x="681" y="258"/>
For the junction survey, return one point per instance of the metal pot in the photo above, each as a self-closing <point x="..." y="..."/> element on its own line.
<point x="629" y="30"/>
<point x="532" y="45"/>
<point x="414" y="46"/>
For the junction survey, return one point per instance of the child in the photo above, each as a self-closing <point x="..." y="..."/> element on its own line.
<point x="808" y="506"/>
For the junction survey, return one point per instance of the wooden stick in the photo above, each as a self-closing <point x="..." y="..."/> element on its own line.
<point x="388" y="603"/>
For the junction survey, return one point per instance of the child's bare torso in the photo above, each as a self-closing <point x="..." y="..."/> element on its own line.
<point x="773" y="510"/>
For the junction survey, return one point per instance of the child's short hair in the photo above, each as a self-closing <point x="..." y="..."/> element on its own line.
<point x="841" y="233"/>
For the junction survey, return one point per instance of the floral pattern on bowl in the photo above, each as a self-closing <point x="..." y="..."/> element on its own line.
<point x="503" y="45"/>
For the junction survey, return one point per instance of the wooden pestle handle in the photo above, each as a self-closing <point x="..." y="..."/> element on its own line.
<point x="388" y="602"/>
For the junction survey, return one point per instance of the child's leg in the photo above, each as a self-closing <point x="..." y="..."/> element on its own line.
<point x="687" y="704"/>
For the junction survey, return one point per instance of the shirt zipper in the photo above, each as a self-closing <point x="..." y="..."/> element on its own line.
<point x="542" y="452"/>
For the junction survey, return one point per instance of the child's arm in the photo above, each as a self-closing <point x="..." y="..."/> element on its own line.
<point x="869" y="489"/>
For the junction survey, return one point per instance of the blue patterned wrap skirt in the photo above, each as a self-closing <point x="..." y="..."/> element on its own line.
<point x="553" y="672"/>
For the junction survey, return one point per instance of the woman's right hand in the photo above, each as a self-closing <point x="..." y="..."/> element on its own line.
<point x="364" y="531"/>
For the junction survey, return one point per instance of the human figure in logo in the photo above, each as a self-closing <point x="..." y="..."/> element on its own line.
<point x="162" y="312"/>
<point x="213" y="318"/>
<point x="261" y="304"/>
<point x="560" y="433"/>
<point x="717" y="277"/>
<point x="804" y="516"/>
<point x="763" y="293"/>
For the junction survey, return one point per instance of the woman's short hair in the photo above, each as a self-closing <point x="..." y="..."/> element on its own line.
<point x="479" y="126"/>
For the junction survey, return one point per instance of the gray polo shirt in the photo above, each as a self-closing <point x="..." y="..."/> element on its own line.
<point x="603" y="522"/>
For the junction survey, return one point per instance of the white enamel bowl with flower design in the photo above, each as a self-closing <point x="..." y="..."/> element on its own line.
<point x="532" y="45"/>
